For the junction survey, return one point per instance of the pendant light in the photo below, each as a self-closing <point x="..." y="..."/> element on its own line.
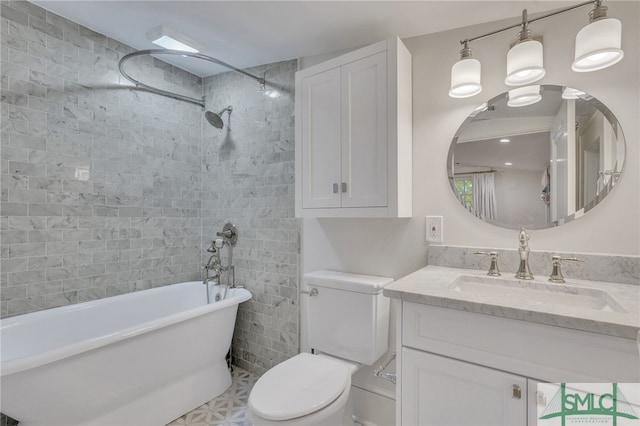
<point x="465" y="75"/>
<point x="598" y="43"/>
<point x="523" y="96"/>
<point x="524" y="60"/>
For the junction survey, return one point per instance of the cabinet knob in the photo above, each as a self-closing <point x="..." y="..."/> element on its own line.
<point x="516" y="392"/>
<point x="335" y="188"/>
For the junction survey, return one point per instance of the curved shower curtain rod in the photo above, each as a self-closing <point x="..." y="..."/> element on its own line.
<point x="177" y="96"/>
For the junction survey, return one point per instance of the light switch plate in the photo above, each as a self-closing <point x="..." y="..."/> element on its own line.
<point x="434" y="229"/>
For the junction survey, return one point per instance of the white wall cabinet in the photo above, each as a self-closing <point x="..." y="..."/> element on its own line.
<point x="353" y="134"/>
<point x="461" y="368"/>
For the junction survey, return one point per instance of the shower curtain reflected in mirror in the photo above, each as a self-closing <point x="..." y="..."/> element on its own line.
<point x="484" y="196"/>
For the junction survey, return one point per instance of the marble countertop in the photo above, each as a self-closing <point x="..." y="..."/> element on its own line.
<point x="432" y="285"/>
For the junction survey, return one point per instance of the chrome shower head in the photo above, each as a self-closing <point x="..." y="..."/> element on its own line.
<point x="216" y="119"/>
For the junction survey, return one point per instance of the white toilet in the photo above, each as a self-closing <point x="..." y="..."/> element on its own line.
<point x="348" y="326"/>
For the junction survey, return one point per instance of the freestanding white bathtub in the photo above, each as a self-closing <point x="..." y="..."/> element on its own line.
<point x="143" y="358"/>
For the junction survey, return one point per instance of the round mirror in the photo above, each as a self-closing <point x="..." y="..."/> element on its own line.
<point x="536" y="165"/>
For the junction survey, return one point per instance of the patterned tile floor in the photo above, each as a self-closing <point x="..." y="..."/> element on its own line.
<point x="228" y="409"/>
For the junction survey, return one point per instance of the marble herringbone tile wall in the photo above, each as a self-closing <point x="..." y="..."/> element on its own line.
<point x="101" y="186"/>
<point x="248" y="179"/>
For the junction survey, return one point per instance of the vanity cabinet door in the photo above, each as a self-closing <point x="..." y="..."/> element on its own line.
<point x="440" y="391"/>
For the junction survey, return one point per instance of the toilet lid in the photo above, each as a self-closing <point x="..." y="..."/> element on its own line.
<point x="297" y="387"/>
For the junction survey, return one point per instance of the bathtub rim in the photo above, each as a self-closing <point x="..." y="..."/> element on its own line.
<point x="37" y="360"/>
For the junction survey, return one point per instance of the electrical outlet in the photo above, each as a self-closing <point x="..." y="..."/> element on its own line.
<point x="434" y="229"/>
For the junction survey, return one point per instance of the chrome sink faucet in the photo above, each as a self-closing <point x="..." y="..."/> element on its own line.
<point x="556" y="273"/>
<point x="493" y="268"/>
<point x="523" y="250"/>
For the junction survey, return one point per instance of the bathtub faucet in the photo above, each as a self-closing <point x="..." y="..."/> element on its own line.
<point x="214" y="264"/>
<point x="229" y="236"/>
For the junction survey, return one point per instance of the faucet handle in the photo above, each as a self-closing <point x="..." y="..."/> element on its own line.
<point x="556" y="272"/>
<point x="493" y="268"/>
<point x="212" y="248"/>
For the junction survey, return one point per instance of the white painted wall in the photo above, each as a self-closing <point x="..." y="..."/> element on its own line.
<point x="613" y="226"/>
<point x="396" y="247"/>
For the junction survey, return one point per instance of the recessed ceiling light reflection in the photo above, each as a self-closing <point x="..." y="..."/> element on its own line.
<point x="508" y="164"/>
<point x="505" y="140"/>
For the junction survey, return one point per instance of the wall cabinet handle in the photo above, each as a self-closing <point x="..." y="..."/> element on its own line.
<point x="344" y="186"/>
<point x="335" y="188"/>
<point x="516" y="392"/>
<point x="541" y="399"/>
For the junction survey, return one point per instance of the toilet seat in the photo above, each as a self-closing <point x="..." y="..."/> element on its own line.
<point x="298" y="387"/>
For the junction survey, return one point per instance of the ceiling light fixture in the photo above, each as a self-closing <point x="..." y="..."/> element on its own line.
<point x="170" y="39"/>
<point x="523" y="96"/>
<point x="598" y="43"/>
<point x="465" y="75"/>
<point x="597" y="47"/>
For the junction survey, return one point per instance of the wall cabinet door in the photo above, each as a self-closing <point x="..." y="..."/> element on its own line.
<point x="441" y="391"/>
<point x="364" y="132"/>
<point x="321" y="145"/>
<point x="353" y="134"/>
<point x="345" y="135"/>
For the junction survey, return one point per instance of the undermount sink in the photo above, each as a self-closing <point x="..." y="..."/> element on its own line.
<point x="532" y="292"/>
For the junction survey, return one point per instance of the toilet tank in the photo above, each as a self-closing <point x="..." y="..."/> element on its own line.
<point x="349" y="316"/>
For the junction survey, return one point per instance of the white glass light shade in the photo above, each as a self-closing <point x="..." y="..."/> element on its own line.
<point x="523" y="96"/>
<point x="598" y="45"/>
<point x="465" y="78"/>
<point x="524" y="63"/>
<point x="571" y="93"/>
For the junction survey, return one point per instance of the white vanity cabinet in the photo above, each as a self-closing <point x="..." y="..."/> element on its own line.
<point x="464" y="368"/>
<point x="353" y="134"/>
<point x="447" y="392"/>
